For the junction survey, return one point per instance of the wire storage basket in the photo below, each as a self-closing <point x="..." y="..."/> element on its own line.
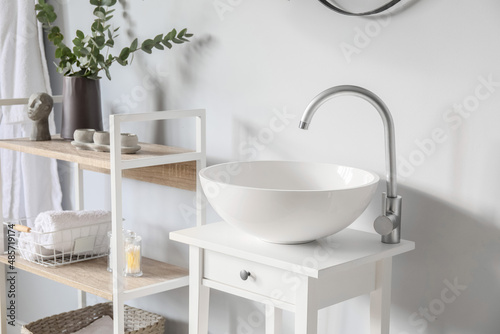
<point x="60" y="247"/>
<point x="136" y="321"/>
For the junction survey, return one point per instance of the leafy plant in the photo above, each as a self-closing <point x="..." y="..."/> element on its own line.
<point x="86" y="58"/>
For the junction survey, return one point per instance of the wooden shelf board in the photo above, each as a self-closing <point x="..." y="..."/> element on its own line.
<point x="179" y="175"/>
<point x="91" y="276"/>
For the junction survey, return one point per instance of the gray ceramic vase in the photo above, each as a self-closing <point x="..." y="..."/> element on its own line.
<point x="81" y="107"/>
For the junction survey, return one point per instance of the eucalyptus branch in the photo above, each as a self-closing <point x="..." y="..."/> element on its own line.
<point x="85" y="58"/>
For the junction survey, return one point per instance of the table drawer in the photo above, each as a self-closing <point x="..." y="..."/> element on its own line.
<point x="264" y="280"/>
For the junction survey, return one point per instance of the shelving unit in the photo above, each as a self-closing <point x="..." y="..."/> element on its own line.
<point x="164" y="165"/>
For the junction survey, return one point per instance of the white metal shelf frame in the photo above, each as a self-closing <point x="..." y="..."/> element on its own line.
<point x="117" y="166"/>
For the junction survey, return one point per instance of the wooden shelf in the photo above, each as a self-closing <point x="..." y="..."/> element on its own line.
<point x="92" y="277"/>
<point x="179" y="175"/>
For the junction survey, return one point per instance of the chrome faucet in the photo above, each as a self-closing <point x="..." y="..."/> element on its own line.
<point x="389" y="223"/>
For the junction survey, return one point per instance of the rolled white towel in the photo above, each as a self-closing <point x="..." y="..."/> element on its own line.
<point x="61" y="228"/>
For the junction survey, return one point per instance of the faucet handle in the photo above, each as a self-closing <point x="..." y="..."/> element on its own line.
<point x="388" y="225"/>
<point x="385" y="224"/>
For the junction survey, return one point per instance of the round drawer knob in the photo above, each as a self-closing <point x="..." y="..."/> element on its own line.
<point x="244" y="275"/>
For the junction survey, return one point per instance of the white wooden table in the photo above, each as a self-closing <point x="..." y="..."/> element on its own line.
<point x="300" y="278"/>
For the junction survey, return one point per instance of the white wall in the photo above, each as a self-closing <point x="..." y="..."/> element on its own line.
<point x="265" y="57"/>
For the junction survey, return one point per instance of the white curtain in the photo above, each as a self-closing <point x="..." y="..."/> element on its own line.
<point x="30" y="183"/>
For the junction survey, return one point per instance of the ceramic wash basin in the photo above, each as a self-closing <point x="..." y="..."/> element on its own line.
<point x="288" y="202"/>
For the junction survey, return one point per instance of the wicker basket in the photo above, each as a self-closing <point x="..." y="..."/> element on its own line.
<point x="136" y="321"/>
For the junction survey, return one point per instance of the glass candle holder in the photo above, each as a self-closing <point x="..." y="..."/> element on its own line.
<point x="132" y="255"/>
<point x="126" y="233"/>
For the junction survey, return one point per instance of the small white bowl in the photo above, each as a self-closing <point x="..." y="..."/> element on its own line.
<point x="129" y="140"/>
<point x="101" y="137"/>
<point x="84" y="135"/>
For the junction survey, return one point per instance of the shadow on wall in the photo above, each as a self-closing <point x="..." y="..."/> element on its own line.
<point x="153" y="85"/>
<point x="449" y="283"/>
<point x="192" y="57"/>
<point x="187" y="65"/>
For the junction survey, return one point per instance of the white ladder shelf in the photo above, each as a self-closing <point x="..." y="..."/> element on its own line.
<point x="165" y="165"/>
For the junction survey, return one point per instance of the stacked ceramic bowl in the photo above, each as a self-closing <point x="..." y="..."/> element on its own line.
<point x="90" y="139"/>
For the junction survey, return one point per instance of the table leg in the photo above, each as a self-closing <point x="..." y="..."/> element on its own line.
<point x="306" y="308"/>
<point x="274" y="318"/>
<point x="380" y="298"/>
<point x="199" y="295"/>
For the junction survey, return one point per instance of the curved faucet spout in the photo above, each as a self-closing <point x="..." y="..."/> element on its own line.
<point x="390" y="146"/>
<point x="389" y="224"/>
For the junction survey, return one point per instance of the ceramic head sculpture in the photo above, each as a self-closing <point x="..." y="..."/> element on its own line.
<point x="39" y="108"/>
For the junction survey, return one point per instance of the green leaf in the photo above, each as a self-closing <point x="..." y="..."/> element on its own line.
<point x="159" y="46"/>
<point x="99" y="41"/>
<point x="177" y="41"/>
<point x="95" y="2"/>
<point x="170" y="35"/>
<point x="55" y="30"/>
<point x="42" y="17"/>
<point x="84" y="61"/>
<point x="110" y="11"/>
<point x="146" y="49"/>
<point x="189" y="35"/>
<point x="148" y="43"/>
<point x="97" y="26"/>
<point x="124" y="54"/>
<point x="77" y="42"/>
<point x="167" y="44"/>
<point x="76" y="51"/>
<point x="133" y="46"/>
<point x="100" y="13"/>
<point x="158" y="38"/>
<point x="94" y="52"/>
<point x="66" y="52"/>
<point x="107" y="73"/>
<point x="85" y="51"/>
<point x="45" y="13"/>
<point x="110" y="43"/>
<point x="58" y="53"/>
<point x="80" y="34"/>
<point x="182" y="32"/>
<point x="51" y="15"/>
<point x="121" y="62"/>
<point x="55" y="36"/>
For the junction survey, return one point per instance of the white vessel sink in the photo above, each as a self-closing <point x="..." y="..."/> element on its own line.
<point x="288" y="202"/>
